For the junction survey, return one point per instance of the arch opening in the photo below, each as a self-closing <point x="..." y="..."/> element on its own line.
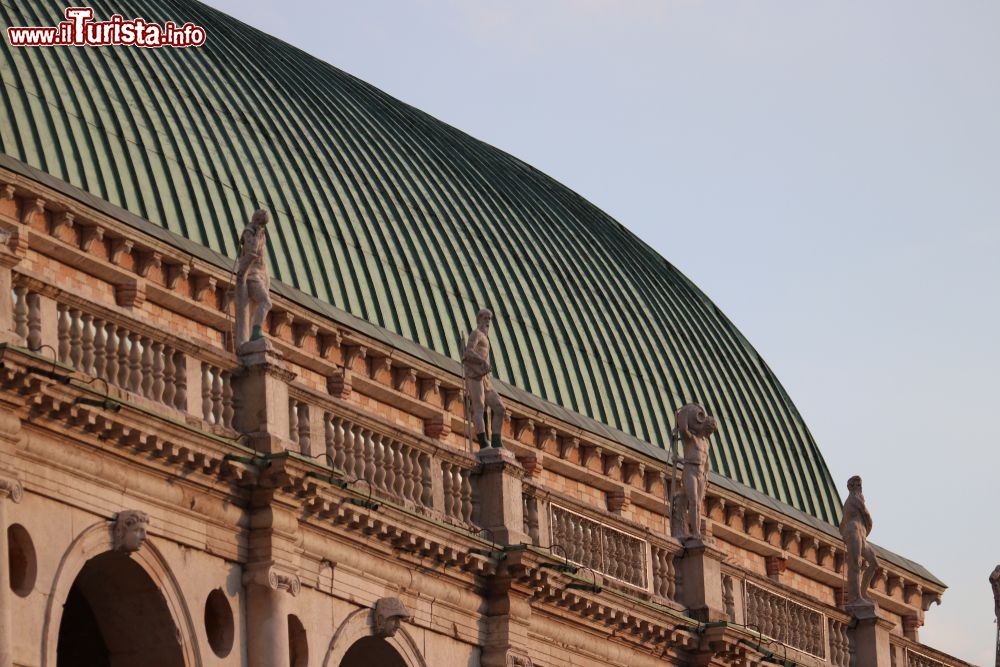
<point x="369" y="651"/>
<point x="115" y="616"/>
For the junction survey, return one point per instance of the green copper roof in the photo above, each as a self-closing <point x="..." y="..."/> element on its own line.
<point x="402" y="220"/>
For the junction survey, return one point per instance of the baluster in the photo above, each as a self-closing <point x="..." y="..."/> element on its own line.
<point x="447" y="484"/>
<point x="389" y="464"/>
<point x="338" y="443"/>
<point x="62" y="329"/>
<point x="305" y="434"/>
<point x="111" y="353"/>
<point x="169" y="376"/>
<point x="147" y="367"/>
<point x="413" y="475"/>
<point x="124" y="344"/>
<point x="87" y="344"/>
<point x="216" y="395"/>
<point x="180" y="380"/>
<point x="407" y="473"/>
<point x="533" y="520"/>
<point x="34" y="322"/>
<point x="378" y="460"/>
<point x="157" y="387"/>
<point x="427" y="495"/>
<point x="75" y="334"/>
<point x="466" y="497"/>
<point x="348" y="465"/>
<point x="135" y="363"/>
<point x="21" y="311"/>
<point x="206" y="392"/>
<point x="227" y="399"/>
<point x="360" y="435"/>
<point x="100" y="349"/>
<point x="328" y="438"/>
<point x="293" y="421"/>
<point x="369" y="456"/>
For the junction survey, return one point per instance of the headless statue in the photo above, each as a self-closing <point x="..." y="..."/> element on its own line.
<point x="252" y="281"/>
<point x="478" y="386"/>
<point x="855" y="528"/>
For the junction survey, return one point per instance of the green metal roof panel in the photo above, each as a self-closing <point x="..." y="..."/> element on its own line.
<point x="401" y="220"/>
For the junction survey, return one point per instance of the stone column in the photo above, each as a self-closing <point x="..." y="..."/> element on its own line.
<point x="869" y="636"/>
<point x="9" y="488"/>
<point x="500" y="504"/>
<point x="261" y="388"/>
<point x="699" y="568"/>
<point x="269" y="594"/>
<point x="508" y="618"/>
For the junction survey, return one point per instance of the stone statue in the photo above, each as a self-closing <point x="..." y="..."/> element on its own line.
<point x="995" y="583"/>
<point x="855" y="528"/>
<point x="694" y="426"/>
<point x="478" y="386"/>
<point x="130" y="531"/>
<point x="389" y="613"/>
<point x="253" y="285"/>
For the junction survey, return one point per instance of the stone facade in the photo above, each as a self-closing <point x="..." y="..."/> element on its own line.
<point x="316" y="501"/>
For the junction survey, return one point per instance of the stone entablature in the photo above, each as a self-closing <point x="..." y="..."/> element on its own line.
<point x="96" y="292"/>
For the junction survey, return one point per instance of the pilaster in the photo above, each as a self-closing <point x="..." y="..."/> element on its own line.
<point x="9" y="489"/>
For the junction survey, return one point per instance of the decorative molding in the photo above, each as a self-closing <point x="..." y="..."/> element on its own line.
<point x="117" y="247"/>
<point x="60" y="220"/>
<point x="32" y="210"/>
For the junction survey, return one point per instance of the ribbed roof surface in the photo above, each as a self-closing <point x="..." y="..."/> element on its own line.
<point x="400" y="219"/>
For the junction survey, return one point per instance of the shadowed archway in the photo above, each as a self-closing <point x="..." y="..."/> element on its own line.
<point x="115" y="616"/>
<point x="371" y="651"/>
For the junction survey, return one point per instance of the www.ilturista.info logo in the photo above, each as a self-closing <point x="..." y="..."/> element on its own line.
<point x="79" y="29"/>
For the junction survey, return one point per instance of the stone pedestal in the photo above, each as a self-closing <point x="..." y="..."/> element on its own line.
<point x="869" y="635"/>
<point x="701" y="580"/>
<point x="500" y="503"/>
<point x="261" y="396"/>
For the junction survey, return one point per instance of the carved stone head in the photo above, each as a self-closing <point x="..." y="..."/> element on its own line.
<point x="854" y="484"/>
<point x="484" y="316"/>
<point x="260" y="218"/>
<point x="389" y="612"/>
<point x="693" y="419"/>
<point x="130" y="530"/>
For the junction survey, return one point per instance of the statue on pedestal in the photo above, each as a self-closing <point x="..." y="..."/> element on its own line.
<point x="693" y="426"/>
<point x="252" y="281"/>
<point x="855" y="527"/>
<point x="478" y="386"/>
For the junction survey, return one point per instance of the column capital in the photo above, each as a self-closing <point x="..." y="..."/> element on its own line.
<point x="11" y="488"/>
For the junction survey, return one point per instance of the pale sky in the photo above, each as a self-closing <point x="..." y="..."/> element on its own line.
<point x="827" y="172"/>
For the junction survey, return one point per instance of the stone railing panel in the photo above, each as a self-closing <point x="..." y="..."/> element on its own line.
<point x="840" y="644"/>
<point x="789" y="622"/>
<point x="598" y="546"/>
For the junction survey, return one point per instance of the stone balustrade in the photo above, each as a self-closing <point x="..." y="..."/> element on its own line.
<point x="127" y="355"/>
<point x="785" y="620"/>
<point x="908" y="653"/>
<point x="402" y="467"/>
<point x="600" y="547"/>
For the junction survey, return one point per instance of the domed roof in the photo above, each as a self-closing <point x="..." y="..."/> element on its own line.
<point x="387" y="213"/>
